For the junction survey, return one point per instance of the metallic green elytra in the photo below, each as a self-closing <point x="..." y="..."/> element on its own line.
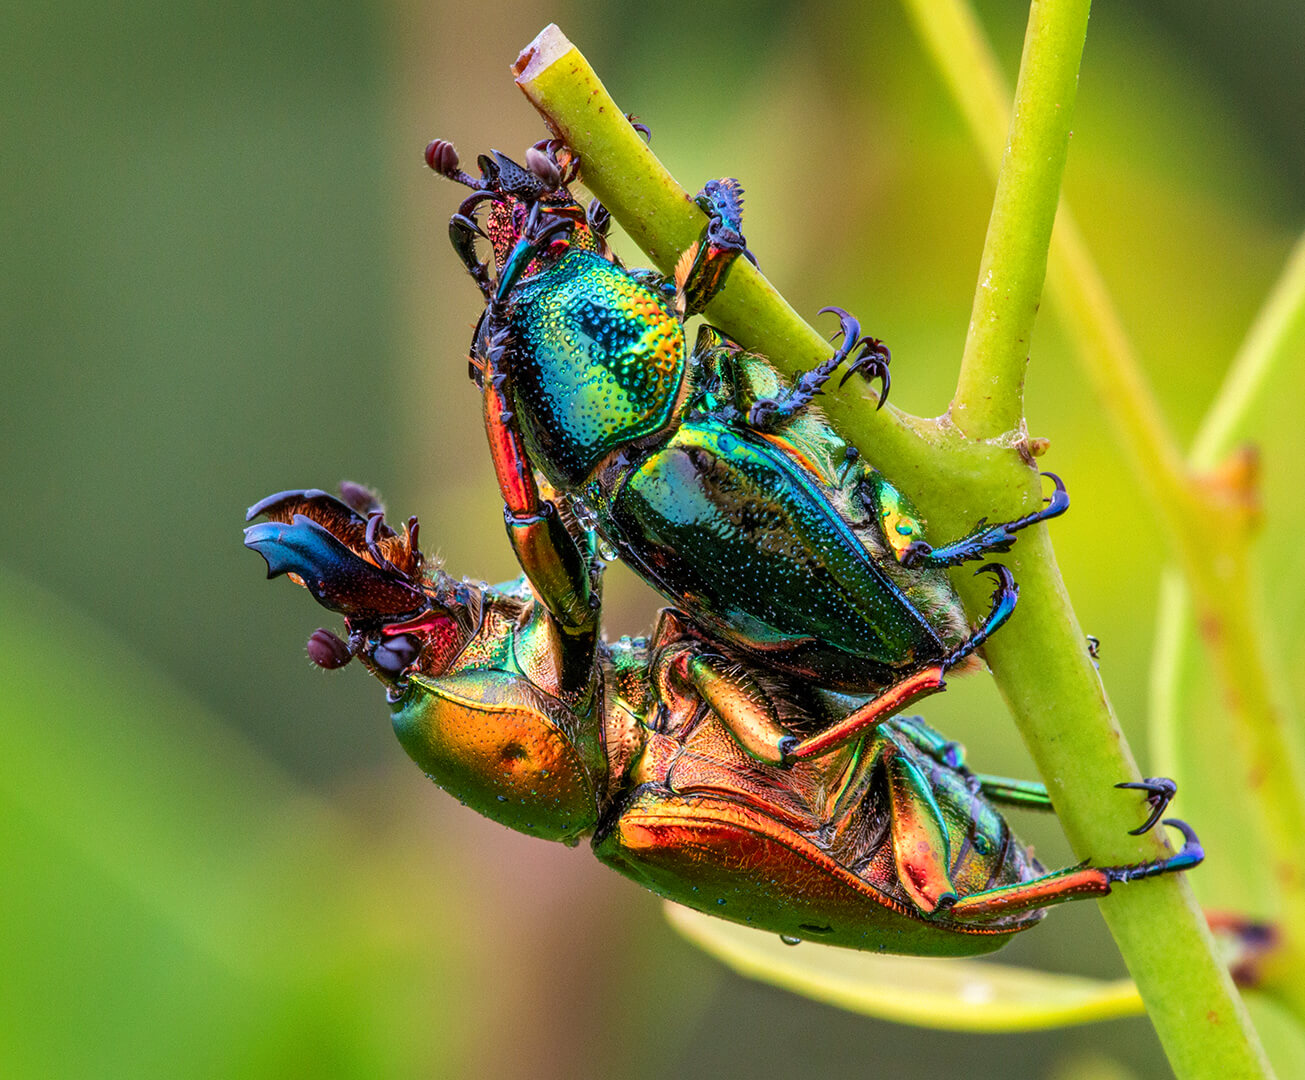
<point x="886" y="842"/>
<point x="715" y="481"/>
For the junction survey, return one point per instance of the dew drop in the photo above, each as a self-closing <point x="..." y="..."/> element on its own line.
<point x="788" y="939"/>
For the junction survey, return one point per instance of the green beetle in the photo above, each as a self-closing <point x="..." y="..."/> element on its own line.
<point x="720" y="486"/>
<point x="517" y="708"/>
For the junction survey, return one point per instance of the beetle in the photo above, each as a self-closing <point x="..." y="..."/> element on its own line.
<point x="887" y="842"/>
<point x="724" y="488"/>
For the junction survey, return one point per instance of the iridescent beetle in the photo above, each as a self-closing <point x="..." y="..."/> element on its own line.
<point x="516" y="707"/>
<point x="726" y="491"/>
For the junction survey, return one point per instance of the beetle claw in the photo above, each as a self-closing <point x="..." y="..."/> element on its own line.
<point x="1160" y="791"/>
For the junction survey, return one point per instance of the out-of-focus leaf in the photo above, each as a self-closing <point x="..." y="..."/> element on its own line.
<point x="952" y="995"/>
<point x="175" y="906"/>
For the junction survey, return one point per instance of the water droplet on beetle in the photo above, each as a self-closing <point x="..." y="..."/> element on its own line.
<point x="788" y="939"/>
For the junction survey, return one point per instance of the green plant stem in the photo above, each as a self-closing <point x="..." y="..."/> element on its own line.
<point x="1207" y="523"/>
<point x="1212" y="551"/>
<point x="1039" y="658"/>
<point x="989" y="398"/>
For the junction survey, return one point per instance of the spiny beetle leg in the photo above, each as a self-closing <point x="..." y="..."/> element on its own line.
<point x="898" y="696"/>
<point x="1160" y="791"/>
<point x="720" y="244"/>
<point x="735" y="697"/>
<point x="1077" y="881"/>
<point x="871" y="362"/>
<point x="463" y="231"/>
<point x="986" y="538"/>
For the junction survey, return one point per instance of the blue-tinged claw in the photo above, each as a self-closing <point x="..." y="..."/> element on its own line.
<point x="1160" y="791"/>
<point x="338" y="578"/>
<point x="1059" y="501"/>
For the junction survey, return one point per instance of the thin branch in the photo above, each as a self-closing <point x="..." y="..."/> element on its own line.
<point x="1207" y="519"/>
<point x="989" y="397"/>
<point x="1039" y="658"/>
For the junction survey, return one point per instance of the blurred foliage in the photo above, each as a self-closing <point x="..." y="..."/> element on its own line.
<point x="225" y="273"/>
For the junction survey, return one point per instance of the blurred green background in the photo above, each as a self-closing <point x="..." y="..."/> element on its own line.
<point x="225" y="272"/>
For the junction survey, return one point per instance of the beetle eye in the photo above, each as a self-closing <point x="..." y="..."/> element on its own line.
<point x="394" y="654"/>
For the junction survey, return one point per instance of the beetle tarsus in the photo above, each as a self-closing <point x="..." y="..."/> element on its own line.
<point x="985" y="539"/>
<point x="1003" y="604"/>
<point x="870" y="361"/>
<point x="1191" y="854"/>
<point x="1160" y="791"/>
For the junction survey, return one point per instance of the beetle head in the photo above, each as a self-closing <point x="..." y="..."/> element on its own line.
<point x="518" y="195"/>
<point x="400" y="614"/>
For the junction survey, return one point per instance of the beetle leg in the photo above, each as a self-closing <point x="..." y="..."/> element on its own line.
<point x="928" y="681"/>
<point x="1028" y="794"/>
<point x="463" y="231"/>
<point x="1032" y="795"/>
<point x="541" y="231"/>
<point x="867" y="716"/>
<point x="1160" y="791"/>
<point x="921" y="845"/>
<point x="872" y="361"/>
<point x="1077" y="881"/>
<point x="704" y="267"/>
<point x="548" y="554"/>
<point x="741" y="703"/>
<point x="985" y="538"/>
<point x="1003" y="604"/>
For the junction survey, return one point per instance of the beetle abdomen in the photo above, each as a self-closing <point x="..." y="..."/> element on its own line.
<point x="715" y="856"/>
<point x="501" y="746"/>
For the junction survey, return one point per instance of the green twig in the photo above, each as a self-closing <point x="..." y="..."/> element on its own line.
<point x="1039" y="657"/>
<point x="989" y="397"/>
<point x="1207" y="519"/>
<point x="1207" y="522"/>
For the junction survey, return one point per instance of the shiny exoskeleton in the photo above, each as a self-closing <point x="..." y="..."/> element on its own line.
<point x="718" y="484"/>
<point x="887" y="842"/>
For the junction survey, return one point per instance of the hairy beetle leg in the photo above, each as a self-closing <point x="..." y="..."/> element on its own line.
<point x="873" y="712"/>
<point x="1078" y="881"/>
<point x="871" y="361"/>
<point x="1027" y="794"/>
<point x="985" y="538"/>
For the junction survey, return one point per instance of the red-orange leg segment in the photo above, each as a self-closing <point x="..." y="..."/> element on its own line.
<point x="921" y="849"/>
<point x="872" y="713"/>
<point x="740" y="703"/>
<point x="1077" y="881"/>
<point x="546" y="551"/>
